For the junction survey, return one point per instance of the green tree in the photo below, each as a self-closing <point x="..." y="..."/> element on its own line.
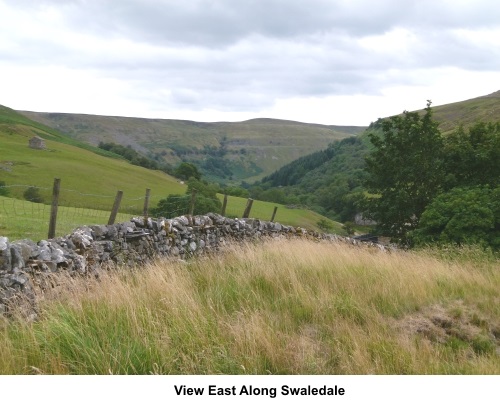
<point x="468" y="215"/>
<point x="473" y="156"/>
<point x="274" y="195"/>
<point x="187" y="170"/>
<point x="217" y="166"/>
<point x="206" y="196"/>
<point x="205" y="188"/>
<point x="405" y="171"/>
<point x="236" y="191"/>
<point x="176" y="204"/>
<point x="172" y="206"/>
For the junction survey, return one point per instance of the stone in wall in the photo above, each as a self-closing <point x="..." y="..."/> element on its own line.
<point x="88" y="250"/>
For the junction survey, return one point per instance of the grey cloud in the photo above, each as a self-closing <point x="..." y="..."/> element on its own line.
<point x="448" y="48"/>
<point x="215" y="23"/>
<point x="244" y="54"/>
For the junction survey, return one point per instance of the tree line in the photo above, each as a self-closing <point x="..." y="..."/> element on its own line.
<point x="134" y="157"/>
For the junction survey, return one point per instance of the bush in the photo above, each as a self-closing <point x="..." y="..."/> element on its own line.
<point x="4" y="191"/>
<point x="462" y="216"/>
<point x="172" y="206"/>
<point x="185" y="171"/>
<point x="349" y="227"/>
<point x="176" y="204"/>
<point x="33" y="194"/>
<point x="324" y="225"/>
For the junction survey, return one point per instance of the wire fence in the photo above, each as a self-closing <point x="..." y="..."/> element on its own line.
<point x="30" y="218"/>
<point x="27" y="211"/>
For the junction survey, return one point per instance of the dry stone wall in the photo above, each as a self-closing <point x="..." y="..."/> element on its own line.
<point x="91" y="249"/>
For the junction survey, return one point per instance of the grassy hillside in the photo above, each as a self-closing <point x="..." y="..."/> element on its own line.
<point x="485" y="108"/>
<point x="250" y="149"/>
<point x="12" y="122"/>
<point x="79" y="168"/>
<point x="284" y="307"/>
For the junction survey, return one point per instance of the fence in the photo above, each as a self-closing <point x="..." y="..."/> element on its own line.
<point x="36" y="219"/>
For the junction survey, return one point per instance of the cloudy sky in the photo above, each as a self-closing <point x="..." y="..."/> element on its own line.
<point x="323" y="61"/>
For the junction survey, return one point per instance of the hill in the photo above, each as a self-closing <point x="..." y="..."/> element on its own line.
<point x="225" y="151"/>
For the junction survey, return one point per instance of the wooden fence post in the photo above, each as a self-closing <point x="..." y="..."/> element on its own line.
<point x="193" y="201"/>
<point x="246" y="214"/>
<point x="53" y="208"/>
<point x="146" y="206"/>
<point x="116" y="207"/>
<point x="274" y="214"/>
<point x="224" y="205"/>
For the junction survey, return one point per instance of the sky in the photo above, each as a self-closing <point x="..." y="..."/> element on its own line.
<point x="334" y="62"/>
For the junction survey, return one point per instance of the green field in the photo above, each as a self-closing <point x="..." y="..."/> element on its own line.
<point x="287" y="216"/>
<point x="21" y="219"/>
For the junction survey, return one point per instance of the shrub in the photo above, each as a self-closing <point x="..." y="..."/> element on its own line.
<point x="4" y="191"/>
<point x="324" y="225"/>
<point x="33" y="194"/>
<point x="175" y="205"/>
<point x="468" y="215"/>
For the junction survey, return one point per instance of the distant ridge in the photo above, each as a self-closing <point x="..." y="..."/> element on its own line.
<point x="228" y="152"/>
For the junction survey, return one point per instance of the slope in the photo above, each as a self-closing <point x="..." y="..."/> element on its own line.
<point x="484" y="108"/>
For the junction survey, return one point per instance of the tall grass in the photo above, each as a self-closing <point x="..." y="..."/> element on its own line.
<point x="284" y="307"/>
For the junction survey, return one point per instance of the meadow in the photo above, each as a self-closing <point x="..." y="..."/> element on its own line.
<point x="282" y="307"/>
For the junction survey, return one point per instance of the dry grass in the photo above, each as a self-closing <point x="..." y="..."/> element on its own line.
<point x="286" y="307"/>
